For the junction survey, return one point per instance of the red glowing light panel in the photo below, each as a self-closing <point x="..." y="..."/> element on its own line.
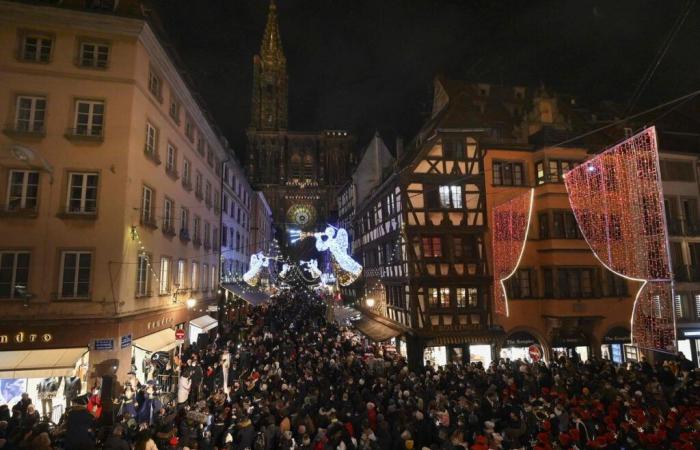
<point x="618" y="203"/>
<point x="511" y="221"/>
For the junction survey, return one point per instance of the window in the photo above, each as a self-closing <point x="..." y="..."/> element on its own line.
<point x="180" y="277"/>
<point x="548" y="277"/>
<point x="521" y="284"/>
<point x="212" y="282"/>
<point x="453" y="149"/>
<point x="197" y="228"/>
<point x="224" y="236"/>
<point x="164" y="277"/>
<point x="14" y="274"/>
<point x="224" y="203"/>
<point x="539" y="172"/>
<point x="201" y="145"/>
<point x="143" y="280"/>
<point x="207" y="233"/>
<point x="198" y="184"/>
<point x="205" y="279"/>
<point x="508" y="174"/>
<point x="89" y="117"/>
<point x="462" y="298"/>
<point x="171" y="160"/>
<point x="575" y="283"/>
<point x="168" y="208"/>
<point x="82" y="193"/>
<point x="36" y="48"/>
<point x="151" y="139"/>
<point x="194" y="276"/>
<point x="207" y="193"/>
<point x="433" y="297"/>
<point x="30" y="113"/>
<point x="174" y="109"/>
<point x="564" y="225"/>
<point x="679" y="302"/>
<point x="543" y="220"/>
<point x="451" y="196"/>
<point x="553" y="173"/>
<point x="432" y="247"/>
<point x="189" y="128"/>
<point x="94" y="55"/>
<point x="617" y="286"/>
<point x="445" y="297"/>
<point x="184" y="221"/>
<point x="23" y="190"/>
<point x="155" y="85"/>
<point x="146" y="205"/>
<point x="186" y="170"/>
<point x="210" y="157"/>
<point x="75" y="274"/>
<point x="473" y="297"/>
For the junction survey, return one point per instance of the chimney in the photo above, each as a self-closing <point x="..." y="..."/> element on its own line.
<point x="399" y="147"/>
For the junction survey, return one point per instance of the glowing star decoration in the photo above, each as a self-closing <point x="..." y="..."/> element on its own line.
<point x="618" y="203"/>
<point x="511" y="225"/>
<point x="257" y="262"/>
<point x="335" y="240"/>
<point x="312" y="267"/>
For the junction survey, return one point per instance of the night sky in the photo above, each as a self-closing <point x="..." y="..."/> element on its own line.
<point x="367" y="65"/>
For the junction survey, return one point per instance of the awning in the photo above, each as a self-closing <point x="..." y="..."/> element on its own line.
<point x="254" y="297"/>
<point x="204" y="323"/>
<point x="57" y="362"/>
<point x="375" y="330"/>
<point x="160" y="341"/>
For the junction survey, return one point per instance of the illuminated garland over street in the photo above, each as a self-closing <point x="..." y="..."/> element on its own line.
<point x="511" y="225"/>
<point x="257" y="262"/>
<point x="335" y="240"/>
<point x="618" y="203"/>
<point x="312" y="266"/>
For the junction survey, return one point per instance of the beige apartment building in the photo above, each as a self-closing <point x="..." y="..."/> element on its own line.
<point x="110" y="179"/>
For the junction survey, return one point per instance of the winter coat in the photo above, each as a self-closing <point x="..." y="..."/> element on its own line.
<point x="116" y="443"/>
<point x="245" y="436"/>
<point x="183" y="389"/>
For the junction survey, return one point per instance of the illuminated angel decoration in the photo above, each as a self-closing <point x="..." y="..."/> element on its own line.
<point x="312" y="267"/>
<point x="285" y="270"/>
<point x="257" y="262"/>
<point x="335" y="240"/>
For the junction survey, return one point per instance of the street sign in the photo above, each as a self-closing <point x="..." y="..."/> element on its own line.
<point x="535" y="352"/>
<point x="180" y="334"/>
<point x="104" y="344"/>
<point x="125" y="341"/>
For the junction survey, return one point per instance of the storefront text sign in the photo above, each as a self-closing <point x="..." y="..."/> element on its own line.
<point x="23" y="337"/>
<point x="126" y="341"/>
<point x="160" y="322"/>
<point x="104" y="344"/>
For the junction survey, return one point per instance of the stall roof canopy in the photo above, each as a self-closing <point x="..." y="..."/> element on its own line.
<point x="160" y="341"/>
<point x="253" y="297"/>
<point x="56" y="362"/>
<point x="204" y="323"/>
<point x="375" y="330"/>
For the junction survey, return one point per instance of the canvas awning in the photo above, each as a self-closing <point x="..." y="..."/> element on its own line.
<point x="246" y="293"/>
<point x="160" y="341"/>
<point x="375" y="330"/>
<point x="204" y="323"/>
<point x="44" y="363"/>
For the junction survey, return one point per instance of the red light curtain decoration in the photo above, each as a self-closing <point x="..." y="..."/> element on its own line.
<point x="511" y="223"/>
<point x="618" y="203"/>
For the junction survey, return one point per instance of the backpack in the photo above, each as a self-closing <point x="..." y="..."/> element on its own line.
<point x="260" y="442"/>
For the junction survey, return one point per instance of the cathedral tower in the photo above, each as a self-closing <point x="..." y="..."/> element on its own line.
<point x="269" y="105"/>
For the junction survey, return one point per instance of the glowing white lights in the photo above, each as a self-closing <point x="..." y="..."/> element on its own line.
<point x="335" y="240"/>
<point x="257" y="262"/>
<point x="312" y="266"/>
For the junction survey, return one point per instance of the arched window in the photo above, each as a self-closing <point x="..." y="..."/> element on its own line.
<point x="308" y="167"/>
<point x="295" y="166"/>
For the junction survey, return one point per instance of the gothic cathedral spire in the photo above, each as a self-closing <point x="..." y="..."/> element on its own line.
<point x="269" y="102"/>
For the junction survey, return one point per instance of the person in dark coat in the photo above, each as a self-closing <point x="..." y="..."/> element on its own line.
<point x="79" y="428"/>
<point x="245" y="435"/>
<point x="116" y="441"/>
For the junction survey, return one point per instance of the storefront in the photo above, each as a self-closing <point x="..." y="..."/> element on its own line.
<point x="143" y="349"/>
<point x="615" y="345"/>
<point x="201" y="325"/>
<point x="570" y="343"/>
<point x="440" y="355"/>
<point x="520" y="345"/>
<point x="689" y="344"/>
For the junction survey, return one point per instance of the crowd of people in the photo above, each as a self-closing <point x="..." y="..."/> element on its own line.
<point x="288" y="379"/>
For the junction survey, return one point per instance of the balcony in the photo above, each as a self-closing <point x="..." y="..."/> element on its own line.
<point x="686" y="273"/>
<point x="29" y="131"/>
<point x="168" y="230"/>
<point x="149" y="222"/>
<point x="86" y="134"/>
<point x="172" y="173"/>
<point x="184" y="235"/>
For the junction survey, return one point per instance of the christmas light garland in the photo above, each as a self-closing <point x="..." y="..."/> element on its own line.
<point x="617" y="200"/>
<point x="257" y="262"/>
<point x="335" y="240"/>
<point x="511" y="225"/>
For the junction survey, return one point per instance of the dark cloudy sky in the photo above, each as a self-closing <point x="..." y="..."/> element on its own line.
<point x="368" y="64"/>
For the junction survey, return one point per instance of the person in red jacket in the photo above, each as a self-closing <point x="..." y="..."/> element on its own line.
<point x="94" y="405"/>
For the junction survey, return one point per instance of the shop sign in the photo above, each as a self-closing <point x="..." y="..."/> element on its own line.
<point x="125" y="341"/>
<point x="535" y="352"/>
<point x="160" y="322"/>
<point x="22" y="337"/>
<point x="179" y="334"/>
<point x="104" y="344"/>
<point x="520" y="339"/>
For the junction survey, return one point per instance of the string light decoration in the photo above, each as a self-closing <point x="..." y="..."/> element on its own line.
<point x="617" y="200"/>
<point x="335" y="240"/>
<point x="257" y="262"/>
<point x="142" y="252"/>
<point x="511" y="225"/>
<point x="312" y="267"/>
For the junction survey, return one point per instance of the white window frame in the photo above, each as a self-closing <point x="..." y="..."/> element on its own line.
<point x="174" y="109"/>
<point x="90" y="126"/>
<point x="143" y="278"/>
<point x="146" y="204"/>
<point x="168" y="207"/>
<point x="24" y="188"/>
<point x="212" y="281"/>
<point x="79" y="254"/>
<point x="196" y="225"/>
<point x="13" y="275"/>
<point x="194" y="273"/>
<point x="33" y="109"/>
<point x="155" y="84"/>
<point x="83" y="194"/>
<point x="171" y="158"/>
<point x="207" y="233"/>
<point x="151" y="139"/>
<point x="205" y="278"/>
<point x="98" y="49"/>
<point x="198" y="183"/>
<point x="181" y="267"/>
<point x="165" y="273"/>
<point x="184" y="219"/>
<point x="186" y="171"/>
<point x="40" y="44"/>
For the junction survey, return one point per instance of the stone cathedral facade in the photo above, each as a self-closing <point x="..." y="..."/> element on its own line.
<point x="299" y="172"/>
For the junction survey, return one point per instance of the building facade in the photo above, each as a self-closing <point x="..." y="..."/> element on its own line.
<point x="110" y="187"/>
<point x="237" y="209"/>
<point x="299" y="172"/>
